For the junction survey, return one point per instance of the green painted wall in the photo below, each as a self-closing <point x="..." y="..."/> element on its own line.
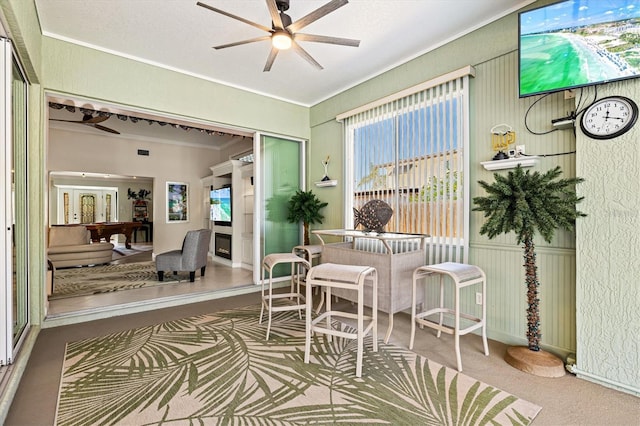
<point x="82" y="72"/>
<point x="24" y="29"/>
<point x="590" y="302"/>
<point x="492" y="51"/>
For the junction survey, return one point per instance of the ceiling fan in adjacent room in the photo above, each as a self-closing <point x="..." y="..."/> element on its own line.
<point x="284" y="34"/>
<point x="92" y="121"/>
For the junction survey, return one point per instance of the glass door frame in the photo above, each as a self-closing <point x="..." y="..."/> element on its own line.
<point x="259" y="212"/>
<point x="11" y="338"/>
<point x="6" y="154"/>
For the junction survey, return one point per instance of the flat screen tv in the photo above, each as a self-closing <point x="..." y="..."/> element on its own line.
<point x="576" y="43"/>
<point x="220" y="211"/>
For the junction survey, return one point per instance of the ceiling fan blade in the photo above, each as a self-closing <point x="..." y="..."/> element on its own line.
<point x="275" y="14"/>
<point x="326" y="39"/>
<point x="66" y="121"/>
<point x="94" y="119"/>
<point x="316" y="14"/>
<point x="238" y="43"/>
<point x="230" y="15"/>
<point x="300" y="51"/>
<point x="272" y="57"/>
<point x="91" y="120"/>
<point x="105" y="129"/>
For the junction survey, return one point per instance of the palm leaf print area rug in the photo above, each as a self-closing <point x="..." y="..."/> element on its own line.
<point x="219" y="369"/>
<point x="87" y="280"/>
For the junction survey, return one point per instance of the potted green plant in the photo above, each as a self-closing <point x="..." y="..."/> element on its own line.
<point x="528" y="203"/>
<point x="305" y="206"/>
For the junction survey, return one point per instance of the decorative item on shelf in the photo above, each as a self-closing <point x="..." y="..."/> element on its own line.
<point x="373" y="216"/>
<point x="326" y="180"/>
<point x="142" y="194"/>
<point x="325" y="163"/>
<point x="502" y="135"/>
<point x="140" y="211"/>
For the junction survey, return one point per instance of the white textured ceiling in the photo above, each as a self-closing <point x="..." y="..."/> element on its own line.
<point x="179" y="35"/>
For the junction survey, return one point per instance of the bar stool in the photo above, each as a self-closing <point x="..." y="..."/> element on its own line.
<point x="462" y="275"/>
<point x="310" y="253"/>
<point x="352" y="277"/>
<point x="269" y="262"/>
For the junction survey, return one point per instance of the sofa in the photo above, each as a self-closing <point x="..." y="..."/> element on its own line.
<point x="71" y="246"/>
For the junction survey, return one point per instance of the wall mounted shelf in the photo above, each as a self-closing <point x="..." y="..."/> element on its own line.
<point x="325" y="183"/>
<point x="511" y="163"/>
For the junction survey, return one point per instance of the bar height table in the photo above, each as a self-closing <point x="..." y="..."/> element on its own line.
<point x="394" y="255"/>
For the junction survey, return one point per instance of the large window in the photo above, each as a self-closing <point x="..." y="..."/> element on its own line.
<point x="409" y="150"/>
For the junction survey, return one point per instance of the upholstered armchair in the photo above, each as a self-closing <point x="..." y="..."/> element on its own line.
<point x="193" y="255"/>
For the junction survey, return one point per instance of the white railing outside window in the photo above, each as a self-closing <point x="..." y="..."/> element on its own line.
<point x="410" y="150"/>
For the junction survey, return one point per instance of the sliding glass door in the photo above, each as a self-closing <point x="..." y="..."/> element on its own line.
<point x="279" y="166"/>
<point x="14" y="295"/>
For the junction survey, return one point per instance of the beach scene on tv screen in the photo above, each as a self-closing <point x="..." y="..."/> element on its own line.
<point x="577" y="43"/>
<point x="221" y="205"/>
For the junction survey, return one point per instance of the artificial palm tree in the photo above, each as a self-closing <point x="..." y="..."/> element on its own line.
<point x="305" y="206"/>
<point x="529" y="203"/>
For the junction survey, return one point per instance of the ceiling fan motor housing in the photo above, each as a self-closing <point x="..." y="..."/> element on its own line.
<point x="282" y="5"/>
<point x="286" y="19"/>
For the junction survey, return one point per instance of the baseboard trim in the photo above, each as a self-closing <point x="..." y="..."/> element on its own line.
<point x="605" y="382"/>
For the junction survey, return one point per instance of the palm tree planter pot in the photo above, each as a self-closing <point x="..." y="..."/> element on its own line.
<point x="528" y="203"/>
<point x="539" y="363"/>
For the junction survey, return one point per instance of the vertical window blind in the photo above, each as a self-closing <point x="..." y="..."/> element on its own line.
<point x="410" y="150"/>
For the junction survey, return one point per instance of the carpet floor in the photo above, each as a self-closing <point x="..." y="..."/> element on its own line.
<point x="89" y="280"/>
<point x="219" y="369"/>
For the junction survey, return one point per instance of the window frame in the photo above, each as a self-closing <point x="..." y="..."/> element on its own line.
<point x="440" y="248"/>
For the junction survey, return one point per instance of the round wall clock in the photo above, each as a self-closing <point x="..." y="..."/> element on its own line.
<point x="609" y="117"/>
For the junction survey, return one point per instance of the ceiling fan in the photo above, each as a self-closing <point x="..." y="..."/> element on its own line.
<point x="284" y="34"/>
<point x="90" y="120"/>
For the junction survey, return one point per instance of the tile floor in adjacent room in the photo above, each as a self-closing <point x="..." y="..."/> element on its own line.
<point x="217" y="277"/>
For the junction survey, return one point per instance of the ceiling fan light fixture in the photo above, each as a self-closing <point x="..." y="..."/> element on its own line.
<point x="281" y="40"/>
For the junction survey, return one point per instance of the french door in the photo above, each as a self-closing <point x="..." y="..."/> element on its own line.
<point x="78" y="204"/>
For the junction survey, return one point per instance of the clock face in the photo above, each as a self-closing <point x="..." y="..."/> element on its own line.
<point x="609" y="117"/>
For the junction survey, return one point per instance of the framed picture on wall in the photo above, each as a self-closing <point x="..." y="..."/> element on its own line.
<point x="177" y="202"/>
